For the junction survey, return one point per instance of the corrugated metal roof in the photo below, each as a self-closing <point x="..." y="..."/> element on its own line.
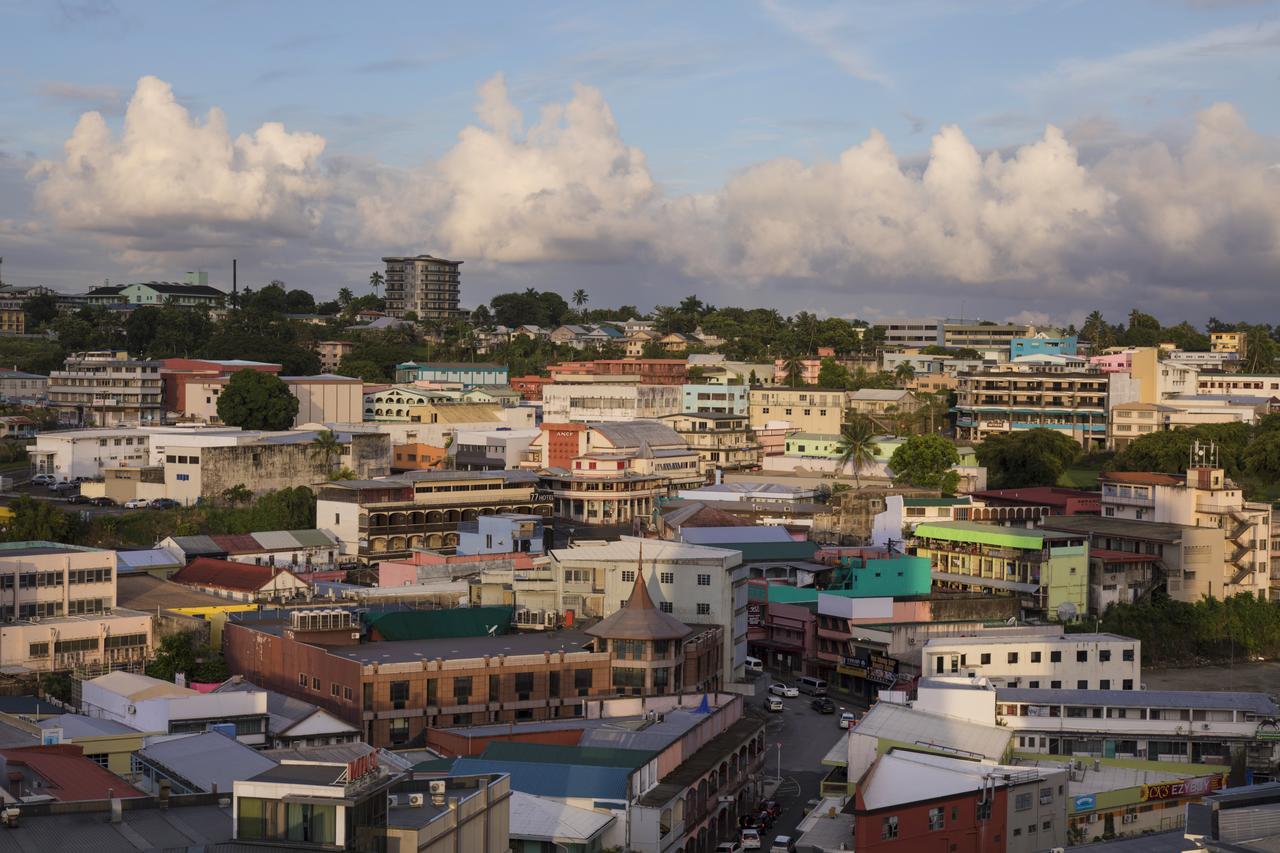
<point x="207" y="759"/>
<point x="549" y="753"/>
<point x="194" y="546"/>
<point x="151" y="558"/>
<point x="986" y="534"/>
<point x="1258" y="703"/>
<point x="314" y="538"/>
<point x="887" y="721"/>
<point x="554" y="780"/>
<point x="536" y="818"/>
<point x="236" y="543"/>
<point x="274" y="540"/>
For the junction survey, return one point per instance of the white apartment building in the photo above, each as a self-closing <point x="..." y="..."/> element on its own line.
<point x="589" y="402"/>
<point x="151" y="705"/>
<point x="87" y="452"/>
<point x="107" y="388"/>
<point x="1252" y="384"/>
<point x="1064" y="662"/>
<point x="59" y="610"/>
<point x="1204" y="497"/>
<point x="696" y="584"/>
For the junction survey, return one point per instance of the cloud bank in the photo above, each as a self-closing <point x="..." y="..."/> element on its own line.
<point x="1147" y="217"/>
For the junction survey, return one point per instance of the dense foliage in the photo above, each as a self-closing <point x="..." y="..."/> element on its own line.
<point x="924" y="461"/>
<point x="1035" y="457"/>
<point x="1178" y="633"/>
<point x="180" y="653"/>
<point x="1250" y="453"/>
<point x="254" y="399"/>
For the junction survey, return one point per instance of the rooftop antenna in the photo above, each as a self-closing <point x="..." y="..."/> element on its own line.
<point x="1203" y="454"/>
<point x="235" y="293"/>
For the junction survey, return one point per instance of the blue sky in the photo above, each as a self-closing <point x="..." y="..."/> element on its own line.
<point x="704" y="94"/>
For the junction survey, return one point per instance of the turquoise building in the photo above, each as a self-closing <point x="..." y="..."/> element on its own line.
<point x="889" y="577"/>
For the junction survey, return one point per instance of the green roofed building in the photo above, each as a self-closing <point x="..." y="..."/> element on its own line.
<point x="439" y="624"/>
<point x="898" y="576"/>
<point x="1051" y="569"/>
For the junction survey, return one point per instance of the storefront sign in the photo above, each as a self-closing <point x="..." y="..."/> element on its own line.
<point x="876" y="669"/>
<point x="1087" y="803"/>
<point x="360" y="767"/>
<point x="1197" y="787"/>
<point x="753" y="614"/>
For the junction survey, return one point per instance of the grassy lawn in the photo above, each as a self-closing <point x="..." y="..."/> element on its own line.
<point x="1080" y="477"/>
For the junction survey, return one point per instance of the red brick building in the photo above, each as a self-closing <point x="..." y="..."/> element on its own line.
<point x="176" y="373"/>
<point x="564" y="442"/>
<point x="651" y="371"/>
<point x="529" y="387"/>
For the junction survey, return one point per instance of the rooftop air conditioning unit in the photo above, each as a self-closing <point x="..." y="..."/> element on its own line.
<point x="393" y="800"/>
<point x="436" y="786"/>
<point x="416" y="800"/>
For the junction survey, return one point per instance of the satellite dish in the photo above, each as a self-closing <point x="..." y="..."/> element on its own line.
<point x="1066" y="611"/>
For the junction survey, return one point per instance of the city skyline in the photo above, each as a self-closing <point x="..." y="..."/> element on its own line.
<point x="1024" y="160"/>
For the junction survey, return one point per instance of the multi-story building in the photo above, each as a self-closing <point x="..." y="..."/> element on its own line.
<point x="716" y="398"/>
<point x="1067" y="661"/>
<point x="723" y="442"/>
<point x="107" y="388"/>
<point x="1204" y="497"/>
<point x="1051" y="568"/>
<point x="59" y="610"/>
<point x="324" y="398"/>
<point x="646" y="371"/>
<point x="88" y="452"/>
<point x="332" y="353"/>
<point x="1235" y="343"/>
<point x="1145" y="375"/>
<point x="394" y="690"/>
<point x="385" y="518"/>
<point x="1043" y="345"/>
<point x="616" y="472"/>
<point x="195" y="292"/>
<point x="882" y="401"/>
<point x="1244" y="384"/>
<point x="953" y="334"/>
<point x="490" y="449"/>
<point x="425" y="285"/>
<point x="586" y="402"/>
<point x="176" y="374"/>
<point x="13" y="313"/>
<point x="807" y="410"/>
<point x="466" y="374"/>
<point x="695" y="584"/>
<point x="396" y="402"/>
<point x="17" y="386"/>
<point x="996" y="403"/>
<point x="1134" y="420"/>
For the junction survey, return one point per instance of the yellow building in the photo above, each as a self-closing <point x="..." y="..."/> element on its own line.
<point x="108" y="743"/>
<point x="1228" y="342"/>
<point x="169" y="601"/>
<point x="806" y="409"/>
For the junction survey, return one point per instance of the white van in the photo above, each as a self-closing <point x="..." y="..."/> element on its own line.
<point x="812" y="686"/>
<point x="754" y="665"/>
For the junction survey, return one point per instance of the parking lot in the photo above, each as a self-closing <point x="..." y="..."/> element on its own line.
<point x="797" y="739"/>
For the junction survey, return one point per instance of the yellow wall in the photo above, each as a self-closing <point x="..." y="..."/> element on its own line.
<point x="216" y="615"/>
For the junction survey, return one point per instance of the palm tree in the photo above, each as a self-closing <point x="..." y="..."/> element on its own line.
<point x="857" y="446"/>
<point x="237" y="494"/>
<point x="345" y="296"/>
<point x="375" y="281"/>
<point x="579" y="298"/>
<point x="904" y="373"/>
<point x="794" y="366"/>
<point x="326" y="446"/>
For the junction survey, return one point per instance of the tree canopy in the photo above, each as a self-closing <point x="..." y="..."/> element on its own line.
<point x="925" y="461"/>
<point x="1034" y="457"/>
<point x="254" y="399"/>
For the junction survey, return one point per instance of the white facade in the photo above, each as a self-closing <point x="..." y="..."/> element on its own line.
<point x="1066" y="662"/>
<point x="151" y="705"/>
<point x="586" y="402"/>
<point x="86" y="452"/>
<point x="694" y="583"/>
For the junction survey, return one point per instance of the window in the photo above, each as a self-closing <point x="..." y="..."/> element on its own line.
<point x="1127" y="684"/>
<point x="399" y="694"/>
<point x="1022" y="802"/>
<point x="1055" y="657"/>
<point x="1055" y="685"/>
<point x="1013" y="657"/>
<point x="1035" y="657"/>
<point x="1046" y="796"/>
<point x="524" y="686"/>
<point x="1104" y="655"/>
<point x="582" y="681"/>
<point x="400" y="730"/>
<point x="664" y="606"/>
<point x="98" y="758"/>
<point x="1082" y="656"/>
<point x="334" y="688"/>
<point x="1082" y="684"/>
<point x="936" y="819"/>
<point x="346" y="693"/>
<point x="1127" y="655"/>
<point x="986" y="657"/>
<point x="704" y="609"/>
<point x="1104" y="684"/>
<point x="553" y="684"/>
<point x="461" y="689"/>
<point x="315" y="682"/>
<point x="704" y="580"/>
<point x="666" y="577"/>
<point x="889" y="827"/>
<point x="628" y="576"/>
<point x="302" y="679"/>
<point x="495" y="686"/>
<point x="1047" y="826"/>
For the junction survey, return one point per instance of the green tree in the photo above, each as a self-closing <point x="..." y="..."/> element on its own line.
<point x="857" y="446"/>
<point x="327" y="448"/>
<point x="1035" y="457"/>
<point x="1260" y="350"/>
<point x="925" y="461"/>
<point x="345" y="297"/>
<point x="833" y="374"/>
<point x="580" y="298"/>
<point x="237" y="494"/>
<point x="376" y="281"/>
<point x="257" y="400"/>
<point x="41" y="310"/>
<point x="300" y="302"/>
<point x="1098" y="332"/>
<point x="41" y="520"/>
<point x="904" y="373"/>
<point x="1262" y="455"/>
<point x="794" y="365"/>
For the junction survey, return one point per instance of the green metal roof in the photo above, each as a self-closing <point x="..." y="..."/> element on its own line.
<point x="440" y="624"/>
<point x="550" y="753"/>
<point x="985" y="534"/>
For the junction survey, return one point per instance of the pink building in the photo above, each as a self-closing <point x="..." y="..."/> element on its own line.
<point x="789" y="636"/>
<point x="773" y="439"/>
<point x="809" y="368"/>
<point x="1116" y="362"/>
<point x="427" y="566"/>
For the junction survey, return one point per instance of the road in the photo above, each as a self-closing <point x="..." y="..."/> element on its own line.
<point x="58" y="499"/>
<point x="806" y="737"/>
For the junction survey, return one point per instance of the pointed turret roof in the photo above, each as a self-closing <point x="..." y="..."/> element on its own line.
<point x="640" y="619"/>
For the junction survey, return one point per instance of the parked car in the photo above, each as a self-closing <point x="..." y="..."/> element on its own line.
<point x="43" y="480"/>
<point x="136" y="503"/>
<point x="78" y="498"/>
<point x="823" y="705"/>
<point x="64" y="486"/>
<point x="773" y="703"/>
<point x="780" y="689"/>
<point x="102" y="502"/>
<point x="783" y="844"/>
<point x="848" y="719"/>
<point x="164" y="503"/>
<point x="750" y="839"/>
<point x="729" y="847"/>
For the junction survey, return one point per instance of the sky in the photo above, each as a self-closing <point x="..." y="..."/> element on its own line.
<point x="1002" y="159"/>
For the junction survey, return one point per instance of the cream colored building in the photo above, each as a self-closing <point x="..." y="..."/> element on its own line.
<point x="1063" y="662"/>
<point x="1134" y="420"/>
<point x="723" y="442"/>
<point x="588" y="402"/>
<point x="321" y="398"/>
<point x="107" y="388"/>
<point x="805" y="409"/>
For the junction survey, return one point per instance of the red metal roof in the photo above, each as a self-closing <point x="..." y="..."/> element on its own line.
<point x="69" y="776"/>
<point x="1142" y="478"/>
<point x="226" y="574"/>
<point x="237" y="543"/>
<point x="1108" y="556"/>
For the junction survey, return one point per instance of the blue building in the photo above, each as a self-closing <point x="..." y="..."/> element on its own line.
<point x="501" y="533"/>
<point x="705" y="398"/>
<point x="467" y="373"/>
<point x="1065" y="345"/>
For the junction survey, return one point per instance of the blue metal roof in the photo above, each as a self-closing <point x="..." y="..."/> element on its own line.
<point x="554" y="780"/>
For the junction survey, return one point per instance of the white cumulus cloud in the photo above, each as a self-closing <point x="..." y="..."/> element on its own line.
<point x="169" y="182"/>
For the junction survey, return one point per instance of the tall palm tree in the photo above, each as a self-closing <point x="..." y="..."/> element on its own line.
<point x="794" y="365"/>
<point x="857" y="446"/>
<point x="327" y="447"/>
<point x="580" y="298"/>
<point x="345" y="296"/>
<point x="904" y="373"/>
<point x="375" y="281"/>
